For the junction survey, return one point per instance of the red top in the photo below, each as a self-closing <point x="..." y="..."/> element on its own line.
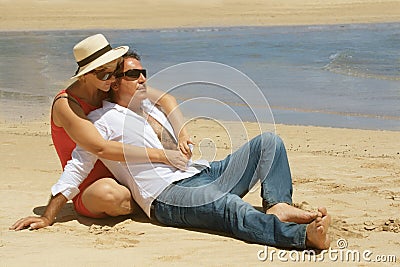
<point x="64" y="146"/>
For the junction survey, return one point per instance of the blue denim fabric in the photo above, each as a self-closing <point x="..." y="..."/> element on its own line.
<point x="212" y="199"/>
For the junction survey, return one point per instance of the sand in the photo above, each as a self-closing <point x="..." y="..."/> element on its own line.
<point x="125" y="14"/>
<point x="354" y="173"/>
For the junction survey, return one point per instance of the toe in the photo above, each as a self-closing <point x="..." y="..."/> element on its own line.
<point x="323" y="211"/>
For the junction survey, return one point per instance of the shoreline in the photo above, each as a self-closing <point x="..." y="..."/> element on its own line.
<point x="193" y="27"/>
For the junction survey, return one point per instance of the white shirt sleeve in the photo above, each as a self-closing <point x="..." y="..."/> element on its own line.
<point x="77" y="169"/>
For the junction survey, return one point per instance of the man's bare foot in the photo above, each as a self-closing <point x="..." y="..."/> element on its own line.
<point x="317" y="231"/>
<point x="287" y="213"/>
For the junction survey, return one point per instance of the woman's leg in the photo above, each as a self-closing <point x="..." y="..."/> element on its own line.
<point x="107" y="197"/>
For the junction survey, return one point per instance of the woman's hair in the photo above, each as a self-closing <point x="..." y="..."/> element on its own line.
<point x="112" y="64"/>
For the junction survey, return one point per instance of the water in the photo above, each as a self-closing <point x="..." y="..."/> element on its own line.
<point x="338" y="76"/>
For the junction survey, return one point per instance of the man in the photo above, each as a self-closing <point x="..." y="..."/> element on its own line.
<point x="204" y="195"/>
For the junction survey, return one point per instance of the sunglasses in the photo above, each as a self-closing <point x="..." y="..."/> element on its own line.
<point x="133" y="73"/>
<point x="103" y="75"/>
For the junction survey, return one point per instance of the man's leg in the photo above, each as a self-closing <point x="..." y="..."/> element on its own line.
<point x="237" y="173"/>
<point x="262" y="159"/>
<point x="107" y="197"/>
<point x="257" y="160"/>
<point x="230" y="214"/>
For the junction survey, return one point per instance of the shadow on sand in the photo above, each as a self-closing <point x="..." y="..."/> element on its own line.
<point x="68" y="213"/>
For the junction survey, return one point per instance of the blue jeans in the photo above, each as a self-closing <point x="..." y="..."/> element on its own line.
<point x="212" y="199"/>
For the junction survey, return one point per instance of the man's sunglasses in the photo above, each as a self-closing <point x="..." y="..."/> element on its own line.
<point x="103" y="75"/>
<point x="133" y="73"/>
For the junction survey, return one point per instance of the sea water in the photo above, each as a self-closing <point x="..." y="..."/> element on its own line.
<point x="334" y="75"/>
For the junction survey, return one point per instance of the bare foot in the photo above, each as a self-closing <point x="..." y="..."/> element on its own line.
<point x="287" y="213"/>
<point x="317" y="231"/>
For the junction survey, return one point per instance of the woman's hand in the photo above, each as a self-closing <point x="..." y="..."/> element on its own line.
<point x="34" y="222"/>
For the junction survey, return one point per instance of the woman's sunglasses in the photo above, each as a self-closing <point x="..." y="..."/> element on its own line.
<point x="133" y="73"/>
<point x="103" y="75"/>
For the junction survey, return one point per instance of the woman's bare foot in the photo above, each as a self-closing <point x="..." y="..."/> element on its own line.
<point x="287" y="213"/>
<point x="317" y="231"/>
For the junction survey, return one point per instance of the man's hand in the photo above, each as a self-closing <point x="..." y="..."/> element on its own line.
<point x="32" y="222"/>
<point x="184" y="143"/>
<point x="176" y="159"/>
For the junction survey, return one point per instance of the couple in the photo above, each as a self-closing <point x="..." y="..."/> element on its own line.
<point x="202" y="195"/>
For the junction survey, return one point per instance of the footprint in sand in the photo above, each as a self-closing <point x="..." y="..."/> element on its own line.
<point x="392" y="225"/>
<point x="113" y="237"/>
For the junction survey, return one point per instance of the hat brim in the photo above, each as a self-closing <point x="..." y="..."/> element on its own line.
<point x="103" y="59"/>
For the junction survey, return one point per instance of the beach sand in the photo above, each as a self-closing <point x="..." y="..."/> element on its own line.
<point x="354" y="173"/>
<point x="125" y="14"/>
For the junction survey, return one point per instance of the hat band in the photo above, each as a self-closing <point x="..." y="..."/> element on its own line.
<point x="94" y="56"/>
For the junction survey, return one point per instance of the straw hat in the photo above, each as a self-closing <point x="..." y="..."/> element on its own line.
<point x="93" y="52"/>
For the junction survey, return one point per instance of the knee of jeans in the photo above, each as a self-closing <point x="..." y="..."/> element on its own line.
<point x="267" y="139"/>
<point x="279" y="143"/>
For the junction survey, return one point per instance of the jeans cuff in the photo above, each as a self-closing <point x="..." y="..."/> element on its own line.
<point x="302" y="237"/>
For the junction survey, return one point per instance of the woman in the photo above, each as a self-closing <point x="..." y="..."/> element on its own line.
<point x="100" y="195"/>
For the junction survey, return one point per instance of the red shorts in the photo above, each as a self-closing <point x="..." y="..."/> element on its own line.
<point x="82" y="210"/>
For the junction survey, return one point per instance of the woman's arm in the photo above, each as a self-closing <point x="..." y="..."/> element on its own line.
<point x="56" y="203"/>
<point x="70" y="116"/>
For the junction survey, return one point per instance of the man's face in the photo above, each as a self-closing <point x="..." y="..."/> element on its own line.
<point x="132" y="89"/>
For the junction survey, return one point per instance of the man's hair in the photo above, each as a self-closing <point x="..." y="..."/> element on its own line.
<point x="132" y="54"/>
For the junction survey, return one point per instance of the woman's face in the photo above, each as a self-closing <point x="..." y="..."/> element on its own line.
<point x="102" y="77"/>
